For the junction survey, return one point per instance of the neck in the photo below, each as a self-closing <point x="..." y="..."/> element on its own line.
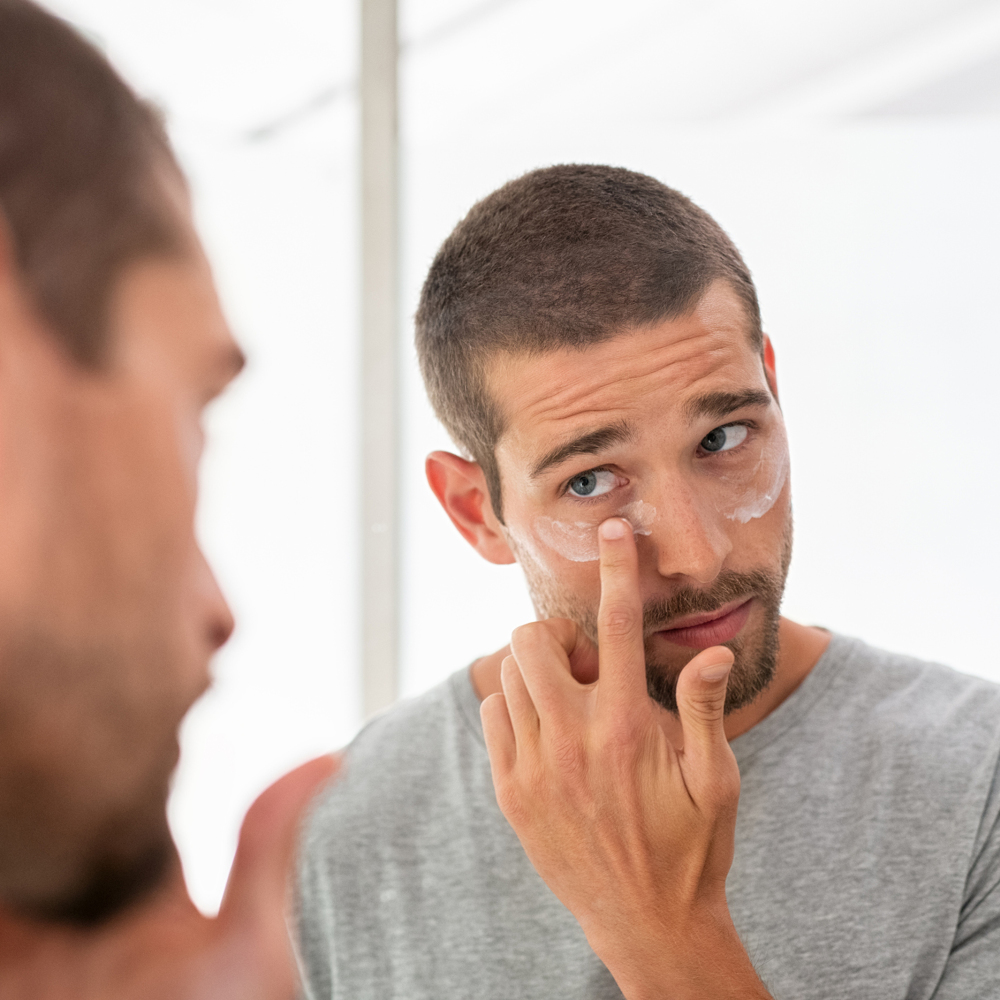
<point x="800" y="647"/>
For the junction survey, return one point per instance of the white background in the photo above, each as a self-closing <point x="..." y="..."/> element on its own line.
<point x="850" y="147"/>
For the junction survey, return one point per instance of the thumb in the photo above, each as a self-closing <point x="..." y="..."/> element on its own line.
<point x="258" y="884"/>
<point x="701" y="705"/>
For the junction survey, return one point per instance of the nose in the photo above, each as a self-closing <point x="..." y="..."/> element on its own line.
<point x="218" y="621"/>
<point x="690" y="542"/>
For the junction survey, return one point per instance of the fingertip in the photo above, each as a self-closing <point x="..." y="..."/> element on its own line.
<point x="492" y="704"/>
<point x="614" y="528"/>
<point x="508" y="667"/>
<point x="716" y="668"/>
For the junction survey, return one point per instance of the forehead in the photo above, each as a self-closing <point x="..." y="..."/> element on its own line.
<point x="632" y="377"/>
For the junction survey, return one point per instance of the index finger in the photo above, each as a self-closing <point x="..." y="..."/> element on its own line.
<point x="619" y="621"/>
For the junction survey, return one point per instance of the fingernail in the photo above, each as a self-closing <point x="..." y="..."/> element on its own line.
<point x="613" y="528"/>
<point x="712" y="673"/>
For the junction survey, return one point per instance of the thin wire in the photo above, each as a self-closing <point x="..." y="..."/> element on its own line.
<point x="315" y="104"/>
<point x="345" y="88"/>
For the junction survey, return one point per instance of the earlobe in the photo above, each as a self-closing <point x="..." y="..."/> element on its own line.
<point x="770" y="371"/>
<point x="460" y="487"/>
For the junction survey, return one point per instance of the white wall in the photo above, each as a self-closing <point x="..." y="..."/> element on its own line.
<point x="850" y="148"/>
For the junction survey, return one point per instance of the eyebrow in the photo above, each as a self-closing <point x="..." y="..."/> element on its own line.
<point x="586" y="444"/>
<point x="721" y="404"/>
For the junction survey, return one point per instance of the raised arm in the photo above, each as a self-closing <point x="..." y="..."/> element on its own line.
<point x="633" y="833"/>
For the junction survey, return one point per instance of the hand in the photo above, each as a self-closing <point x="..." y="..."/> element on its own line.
<point x="165" y="948"/>
<point x="633" y="833"/>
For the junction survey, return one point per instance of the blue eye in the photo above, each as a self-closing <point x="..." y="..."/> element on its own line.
<point x="592" y="484"/>
<point x="724" y="438"/>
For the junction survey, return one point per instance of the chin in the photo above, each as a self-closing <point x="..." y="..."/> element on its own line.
<point x="755" y="651"/>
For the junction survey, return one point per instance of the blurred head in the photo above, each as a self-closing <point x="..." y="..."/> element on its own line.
<point x="112" y="342"/>
<point x="592" y="341"/>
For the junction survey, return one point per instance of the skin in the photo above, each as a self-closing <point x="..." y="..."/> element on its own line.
<point x="627" y="810"/>
<point x="109" y="616"/>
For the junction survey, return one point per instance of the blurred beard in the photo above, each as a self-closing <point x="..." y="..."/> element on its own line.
<point x="87" y="748"/>
<point x="755" y="649"/>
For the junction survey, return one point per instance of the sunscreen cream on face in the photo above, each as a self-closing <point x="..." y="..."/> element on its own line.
<point x="577" y="540"/>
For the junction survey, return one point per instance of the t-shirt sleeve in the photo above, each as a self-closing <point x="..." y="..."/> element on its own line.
<point x="973" y="968"/>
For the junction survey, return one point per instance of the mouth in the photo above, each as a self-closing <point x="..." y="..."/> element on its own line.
<point x="711" y="628"/>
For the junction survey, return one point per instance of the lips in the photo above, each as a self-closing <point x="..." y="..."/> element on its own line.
<point x="711" y="628"/>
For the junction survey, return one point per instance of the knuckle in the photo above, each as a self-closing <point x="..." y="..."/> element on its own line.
<point x="620" y="741"/>
<point x="510" y="801"/>
<point x="564" y="630"/>
<point x="523" y="634"/>
<point x="619" y="621"/>
<point x="526" y="639"/>
<point x="721" y="792"/>
<point x="706" y="710"/>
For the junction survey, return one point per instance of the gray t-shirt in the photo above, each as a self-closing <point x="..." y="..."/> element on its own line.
<point x="867" y="851"/>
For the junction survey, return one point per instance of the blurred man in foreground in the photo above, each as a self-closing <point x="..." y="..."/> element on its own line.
<point x="559" y="821"/>
<point x="112" y="342"/>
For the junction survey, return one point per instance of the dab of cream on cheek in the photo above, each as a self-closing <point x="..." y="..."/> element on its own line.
<point x="768" y="481"/>
<point x="577" y="540"/>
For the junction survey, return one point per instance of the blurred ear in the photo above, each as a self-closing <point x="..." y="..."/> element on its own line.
<point x="460" y="487"/>
<point x="770" y="372"/>
<point x="6" y="247"/>
<point x="18" y="313"/>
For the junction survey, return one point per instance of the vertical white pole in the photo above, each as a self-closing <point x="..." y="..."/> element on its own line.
<point x="380" y="349"/>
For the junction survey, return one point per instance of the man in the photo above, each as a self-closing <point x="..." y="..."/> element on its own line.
<point x="112" y="342"/>
<point x="561" y="819"/>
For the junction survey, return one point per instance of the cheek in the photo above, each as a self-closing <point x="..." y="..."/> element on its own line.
<point x="559" y="587"/>
<point x="762" y="489"/>
<point x="765" y="540"/>
<point x="572" y="541"/>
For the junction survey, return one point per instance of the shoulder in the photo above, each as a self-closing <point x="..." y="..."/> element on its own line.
<point x="397" y="764"/>
<point x="921" y="710"/>
<point x="918" y="694"/>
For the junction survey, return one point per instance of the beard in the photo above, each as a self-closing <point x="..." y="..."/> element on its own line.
<point x="755" y="649"/>
<point x="87" y="747"/>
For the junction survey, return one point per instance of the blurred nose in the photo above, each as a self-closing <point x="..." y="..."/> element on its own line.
<point x="217" y="616"/>
<point x="688" y="535"/>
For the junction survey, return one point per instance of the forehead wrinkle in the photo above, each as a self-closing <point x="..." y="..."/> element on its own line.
<point x="607" y="381"/>
<point x="580" y="399"/>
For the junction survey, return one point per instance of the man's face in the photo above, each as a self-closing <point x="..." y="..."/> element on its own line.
<point x="109" y="613"/>
<point x="675" y="428"/>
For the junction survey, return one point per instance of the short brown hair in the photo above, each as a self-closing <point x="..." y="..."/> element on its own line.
<point x="78" y="157"/>
<point x="562" y="257"/>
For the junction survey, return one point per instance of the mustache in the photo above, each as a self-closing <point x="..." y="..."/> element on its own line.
<point x="660" y="613"/>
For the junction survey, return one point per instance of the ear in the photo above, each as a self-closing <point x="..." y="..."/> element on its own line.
<point x="460" y="487"/>
<point x="6" y="247"/>
<point x="770" y="372"/>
